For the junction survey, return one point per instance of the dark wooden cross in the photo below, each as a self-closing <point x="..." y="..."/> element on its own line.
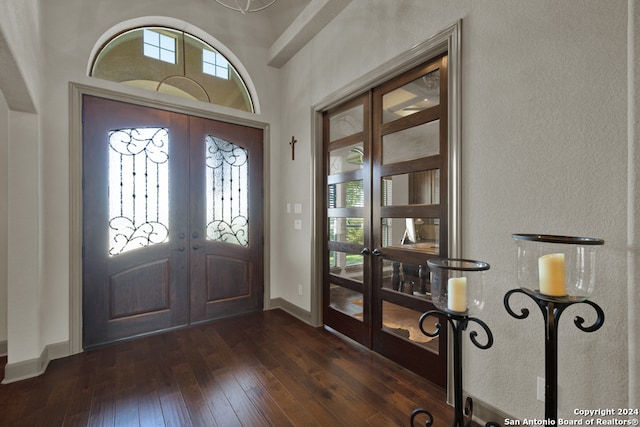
<point x="293" y="148"/>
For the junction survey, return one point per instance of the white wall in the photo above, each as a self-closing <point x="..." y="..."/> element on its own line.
<point x="4" y="188"/>
<point x="20" y="285"/>
<point x="544" y="148"/>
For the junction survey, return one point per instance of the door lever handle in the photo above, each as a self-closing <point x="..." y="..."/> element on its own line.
<point x="195" y="247"/>
<point x="180" y="249"/>
<point x="365" y="251"/>
<point x="376" y="252"/>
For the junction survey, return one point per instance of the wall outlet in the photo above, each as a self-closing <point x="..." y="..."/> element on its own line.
<point x="300" y="290"/>
<point x="540" y="389"/>
<point x="297" y="224"/>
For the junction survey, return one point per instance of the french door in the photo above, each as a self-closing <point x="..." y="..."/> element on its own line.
<point x="172" y="220"/>
<point x="387" y="209"/>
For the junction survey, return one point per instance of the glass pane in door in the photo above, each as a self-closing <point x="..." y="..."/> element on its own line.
<point x="416" y="188"/>
<point x="226" y="187"/>
<point x="404" y="323"/>
<point x="348" y="194"/>
<point x="421" y="234"/>
<point x="346" y="159"/>
<point x="346" y="123"/>
<point x="416" y="96"/>
<point x="138" y="188"/>
<point x="346" y="265"/>
<point x="348" y="230"/>
<point x="406" y="278"/>
<point x="346" y="301"/>
<point x="412" y="143"/>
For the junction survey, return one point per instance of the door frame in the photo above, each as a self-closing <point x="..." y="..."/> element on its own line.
<point x="152" y="100"/>
<point x="447" y="41"/>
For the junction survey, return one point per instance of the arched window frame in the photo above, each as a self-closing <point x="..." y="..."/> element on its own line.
<point x="178" y="25"/>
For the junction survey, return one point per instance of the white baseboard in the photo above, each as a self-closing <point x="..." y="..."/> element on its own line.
<point x="290" y="308"/>
<point x="32" y="368"/>
<point x="484" y="413"/>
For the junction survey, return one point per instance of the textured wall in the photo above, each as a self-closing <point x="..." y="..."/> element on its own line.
<point x="544" y="148"/>
<point x="4" y="151"/>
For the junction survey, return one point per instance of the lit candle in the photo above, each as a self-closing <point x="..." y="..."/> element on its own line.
<point x="457" y="294"/>
<point x="551" y="275"/>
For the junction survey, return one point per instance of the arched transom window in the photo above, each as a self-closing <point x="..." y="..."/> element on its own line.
<point x="171" y="61"/>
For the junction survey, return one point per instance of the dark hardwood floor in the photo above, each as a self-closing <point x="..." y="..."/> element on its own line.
<point x="263" y="369"/>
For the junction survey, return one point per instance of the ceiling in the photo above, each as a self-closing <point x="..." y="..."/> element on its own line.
<point x="296" y="22"/>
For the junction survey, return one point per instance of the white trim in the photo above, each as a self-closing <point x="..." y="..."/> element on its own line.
<point x="111" y="90"/>
<point x="166" y="21"/>
<point x="484" y="413"/>
<point x="292" y="309"/>
<point x="448" y="40"/>
<point x="32" y="368"/>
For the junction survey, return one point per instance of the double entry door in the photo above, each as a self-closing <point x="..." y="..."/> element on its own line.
<point x="172" y="220"/>
<point x="386" y="214"/>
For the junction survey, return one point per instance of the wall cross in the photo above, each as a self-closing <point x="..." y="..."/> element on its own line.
<point x="293" y="148"/>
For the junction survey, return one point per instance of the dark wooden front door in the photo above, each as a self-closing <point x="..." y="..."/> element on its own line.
<point x="172" y="220"/>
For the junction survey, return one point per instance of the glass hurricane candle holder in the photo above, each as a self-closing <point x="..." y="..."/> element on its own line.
<point x="456" y="284"/>
<point x="557" y="266"/>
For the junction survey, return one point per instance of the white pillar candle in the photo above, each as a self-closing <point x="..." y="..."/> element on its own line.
<point x="457" y="294"/>
<point x="552" y="276"/>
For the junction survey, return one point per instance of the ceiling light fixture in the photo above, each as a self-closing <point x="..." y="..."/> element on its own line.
<point x="246" y="6"/>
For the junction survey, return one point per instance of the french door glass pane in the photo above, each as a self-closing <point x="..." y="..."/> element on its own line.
<point x="346" y="159"/>
<point x="406" y="278"/>
<point x="349" y="230"/>
<point x="346" y="123"/>
<point x="418" y="95"/>
<point x="138" y="188"/>
<point x="403" y="322"/>
<point x="346" y="265"/>
<point x="348" y="194"/>
<point x="346" y="301"/>
<point x="412" y="143"/>
<point x="416" y="188"/>
<point x="412" y="233"/>
<point x="227" y="192"/>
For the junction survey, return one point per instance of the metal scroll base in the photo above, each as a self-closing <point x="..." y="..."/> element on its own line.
<point x="459" y="323"/>
<point x="552" y="308"/>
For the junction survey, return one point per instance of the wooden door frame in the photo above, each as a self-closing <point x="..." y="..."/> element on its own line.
<point x="152" y="100"/>
<point x="447" y="41"/>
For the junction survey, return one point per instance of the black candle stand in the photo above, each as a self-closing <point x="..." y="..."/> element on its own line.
<point x="552" y="308"/>
<point x="459" y="323"/>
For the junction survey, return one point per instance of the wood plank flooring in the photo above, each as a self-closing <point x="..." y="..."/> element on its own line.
<point x="263" y="369"/>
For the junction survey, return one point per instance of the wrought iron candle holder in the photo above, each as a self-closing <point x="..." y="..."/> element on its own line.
<point x="456" y="289"/>
<point x="564" y="268"/>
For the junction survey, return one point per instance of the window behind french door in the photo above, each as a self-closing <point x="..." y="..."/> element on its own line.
<point x="386" y="213"/>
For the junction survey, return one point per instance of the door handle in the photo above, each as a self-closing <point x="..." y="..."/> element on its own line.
<point x="376" y="252"/>
<point x="180" y="249"/>
<point x="365" y="251"/>
<point x="195" y="247"/>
